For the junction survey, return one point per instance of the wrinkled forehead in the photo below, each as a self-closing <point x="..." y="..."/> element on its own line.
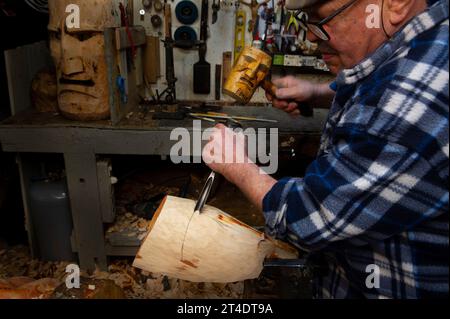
<point x="94" y="15"/>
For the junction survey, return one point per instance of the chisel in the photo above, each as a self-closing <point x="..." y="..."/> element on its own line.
<point x="202" y="69"/>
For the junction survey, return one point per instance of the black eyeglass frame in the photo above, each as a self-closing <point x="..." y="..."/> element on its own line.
<point x="320" y="24"/>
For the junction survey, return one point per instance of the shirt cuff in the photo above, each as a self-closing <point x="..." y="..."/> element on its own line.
<point x="333" y="86"/>
<point x="275" y="215"/>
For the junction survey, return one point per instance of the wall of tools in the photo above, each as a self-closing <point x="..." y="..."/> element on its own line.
<point x="226" y="26"/>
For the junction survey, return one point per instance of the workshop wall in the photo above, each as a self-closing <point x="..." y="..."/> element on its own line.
<point x="221" y="36"/>
<point x="220" y="39"/>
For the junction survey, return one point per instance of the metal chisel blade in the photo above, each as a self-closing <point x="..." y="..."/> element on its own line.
<point x="205" y="193"/>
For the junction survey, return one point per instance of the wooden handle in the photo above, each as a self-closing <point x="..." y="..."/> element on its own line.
<point x="269" y="87"/>
<point x="168" y="20"/>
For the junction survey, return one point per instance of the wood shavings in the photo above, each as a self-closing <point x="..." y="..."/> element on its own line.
<point x="134" y="225"/>
<point x="127" y="230"/>
<point x="139" y="284"/>
<point x="136" y="284"/>
<point x="16" y="261"/>
<point x="27" y="288"/>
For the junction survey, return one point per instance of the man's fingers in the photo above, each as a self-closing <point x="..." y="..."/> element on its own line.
<point x="280" y="104"/>
<point x="291" y="107"/>
<point x="283" y="82"/>
<point x="288" y="93"/>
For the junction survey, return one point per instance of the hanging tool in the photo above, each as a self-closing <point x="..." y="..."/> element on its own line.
<point x="142" y="14"/>
<point x="152" y="69"/>
<point x="122" y="58"/>
<point x="226" y="66"/>
<point x="202" y="69"/>
<point x="130" y="12"/>
<point x="147" y="4"/>
<point x="265" y="21"/>
<point x="239" y="33"/>
<point x="185" y="33"/>
<point x="254" y="6"/>
<point x="126" y="23"/>
<point x="186" y="12"/>
<point x="158" y="5"/>
<point x="282" y="40"/>
<point x="121" y="84"/>
<point x="156" y="21"/>
<point x="302" y="18"/>
<point x="218" y="84"/>
<point x="216" y="8"/>
<point x="292" y="26"/>
<point x="170" y="91"/>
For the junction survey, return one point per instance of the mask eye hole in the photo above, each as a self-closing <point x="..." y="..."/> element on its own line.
<point x="83" y="36"/>
<point x="55" y="35"/>
<point x="263" y="68"/>
<point x="249" y="59"/>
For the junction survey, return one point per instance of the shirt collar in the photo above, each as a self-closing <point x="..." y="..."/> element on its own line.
<point x="426" y="20"/>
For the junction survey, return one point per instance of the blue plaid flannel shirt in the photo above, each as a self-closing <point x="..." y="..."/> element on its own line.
<point x="377" y="193"/>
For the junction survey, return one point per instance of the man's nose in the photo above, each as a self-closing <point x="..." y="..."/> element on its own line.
<point x="72" y="65"/>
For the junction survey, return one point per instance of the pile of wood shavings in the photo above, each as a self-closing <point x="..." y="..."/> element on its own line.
<point x="139" y="284"/>
<point x="135" y="226"/>
<point x="16" y="262"/>
<point x="135" y="283"/>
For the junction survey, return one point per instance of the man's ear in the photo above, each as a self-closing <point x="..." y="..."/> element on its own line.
<point x="397" y="11"/>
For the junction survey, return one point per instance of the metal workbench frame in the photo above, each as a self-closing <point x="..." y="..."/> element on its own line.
<point x="81" y="143"/>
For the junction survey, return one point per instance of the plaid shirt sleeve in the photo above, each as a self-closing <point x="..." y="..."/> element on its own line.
<point x="377" y="192"/>
<point x="383" y="165"/>
<point x="365" y="189"/>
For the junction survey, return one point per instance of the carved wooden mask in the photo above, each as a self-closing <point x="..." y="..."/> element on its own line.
<point x="79" y="56"/>
<point x="251" y="68"/>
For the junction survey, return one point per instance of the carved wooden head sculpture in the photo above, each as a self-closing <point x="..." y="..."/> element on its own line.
<point x="251" y="68"/>
<point x="78" y="49"/>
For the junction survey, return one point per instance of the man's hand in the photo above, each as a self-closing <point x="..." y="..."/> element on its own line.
<point x="293" y="91"/>
<point x="290" y="92"/>
<point x="226" y="153"/>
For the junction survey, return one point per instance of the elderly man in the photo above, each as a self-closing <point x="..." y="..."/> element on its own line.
<point x="374" y="203"/>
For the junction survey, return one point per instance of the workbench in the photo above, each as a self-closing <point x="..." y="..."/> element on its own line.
<point x="82" y="143"/>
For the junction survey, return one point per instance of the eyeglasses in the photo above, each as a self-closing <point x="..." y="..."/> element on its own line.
<point x="317" y="27"/>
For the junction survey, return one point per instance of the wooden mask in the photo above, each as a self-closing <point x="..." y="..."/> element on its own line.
<point x="79" y="56"/>
<point x="251" y="68"/>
